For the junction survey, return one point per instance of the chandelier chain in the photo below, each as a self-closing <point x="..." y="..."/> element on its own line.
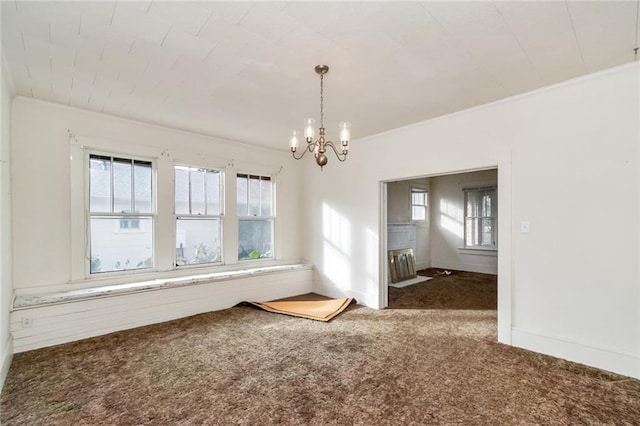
<point x="321" y="100"/>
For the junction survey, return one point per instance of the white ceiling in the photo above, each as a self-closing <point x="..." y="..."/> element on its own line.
<point x="244" y="70"/>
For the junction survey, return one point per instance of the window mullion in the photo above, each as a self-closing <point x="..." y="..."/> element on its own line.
<point x="260" y="197"/>
<point x="132" y="204"/>
<point x="205" y="193"/>
<point x="248" y="192"/>
<point x="112" y="186"/>
<point x="122" y="214"/>
<point x="189" y="194"/>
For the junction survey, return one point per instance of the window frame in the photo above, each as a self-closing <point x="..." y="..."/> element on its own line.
<point x="415" y="189"/>
<point x="494" y="218"/>
<point x="196" y="216"/>
<point x="257" y="217"/>
<point x="152" y="215"/>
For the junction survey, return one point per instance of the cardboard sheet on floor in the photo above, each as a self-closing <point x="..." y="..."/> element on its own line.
<point x="319" y="310"/>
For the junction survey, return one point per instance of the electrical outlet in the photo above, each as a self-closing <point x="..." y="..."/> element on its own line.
<point x="26" y="322"/>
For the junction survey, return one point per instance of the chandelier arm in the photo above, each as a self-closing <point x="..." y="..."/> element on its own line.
<point x="301" y="155"/>
<point x="308" y="148"/>
<point x="341" y="157"/>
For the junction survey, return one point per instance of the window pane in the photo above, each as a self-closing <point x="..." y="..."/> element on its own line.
<point x="255" y="239"/>
<point x="418" y="213"/>
<point x="418" y="198"/>
<point x="471" y="232"/>
<point x="265" y="197"/>
<point x="242" y="189"/>
<point x="480" y="217"/>
<point x="100" y="185"/>
<point x="122" y="185"/>
<point x="197" y="241"/>
<point x="487" y="203"/>
<point x="121" y="243"/>
<point x="472" y="203"/>
<point x="142" y="179"/>
<point x="213" y="192"/>
<point x="181" y="190"/>
<point x="197" y="192"/>
<point x="487" y="237"/>
<point x="254" y="196"/>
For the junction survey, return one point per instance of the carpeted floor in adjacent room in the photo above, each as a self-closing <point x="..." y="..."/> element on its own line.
<point x="431" y="358"/>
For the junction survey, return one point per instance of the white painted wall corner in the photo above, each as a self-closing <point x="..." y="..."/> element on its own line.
<point x="329" y="290"/>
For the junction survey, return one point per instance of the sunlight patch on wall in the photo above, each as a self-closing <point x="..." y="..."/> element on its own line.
<point x="371" y="246"/>
<point x="336" y="230"/>
<point x="451" y="218"/>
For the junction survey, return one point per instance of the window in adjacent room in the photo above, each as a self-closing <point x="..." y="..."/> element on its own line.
<point x="198" y="210"/>
<point x="255" y="216"/>
<point x="418" y="204"/>
<point x="129" y="225"/>
<point x="121" y="214"/>
<point x="480" y="214"/>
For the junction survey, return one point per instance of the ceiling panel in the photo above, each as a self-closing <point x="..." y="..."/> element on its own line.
<point x="185" y="16"/>
<point x="244" y="70"/>
<point x="606" y="32"/>
<point x="128" y="19"/>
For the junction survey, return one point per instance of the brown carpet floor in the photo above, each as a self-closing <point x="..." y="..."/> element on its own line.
<point x="434" y="361"/>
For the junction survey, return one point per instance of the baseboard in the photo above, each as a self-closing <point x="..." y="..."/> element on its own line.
<point x="620" y="363"/>
<point x="481" y="269"/>
<point x="7" y="357"/>
<point x="421" y="266"/>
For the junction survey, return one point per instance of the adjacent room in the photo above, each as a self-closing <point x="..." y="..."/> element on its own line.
<point x="444" y="225"/>
<point x="168" y="167"/>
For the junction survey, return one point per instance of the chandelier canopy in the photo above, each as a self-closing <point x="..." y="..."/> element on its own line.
<point x="320" y="145"/>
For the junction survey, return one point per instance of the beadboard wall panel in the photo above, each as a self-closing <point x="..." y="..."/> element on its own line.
<point x="43" y="326"/>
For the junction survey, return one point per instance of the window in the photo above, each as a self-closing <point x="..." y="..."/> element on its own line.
<point x="255" y="216"/>
<point x="120" y="201"/>
<point x="198" y="210"/>
<point x="480" y="215"/>
<point x="418" y="205"/>
<point x="129" y="225"/>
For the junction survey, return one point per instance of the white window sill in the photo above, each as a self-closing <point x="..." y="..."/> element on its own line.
<point x="478" y="251"/>
<point x="54" y="298"/>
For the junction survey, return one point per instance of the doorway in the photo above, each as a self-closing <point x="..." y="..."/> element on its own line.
<point x="447" y="239"/>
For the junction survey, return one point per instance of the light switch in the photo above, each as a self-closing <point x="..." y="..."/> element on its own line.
<point x="525" y="227"/>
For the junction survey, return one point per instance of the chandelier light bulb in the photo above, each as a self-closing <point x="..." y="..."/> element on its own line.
<point x="309" y="129"/>
<point x="293" y="141"/>
<point x="345" y="132"/>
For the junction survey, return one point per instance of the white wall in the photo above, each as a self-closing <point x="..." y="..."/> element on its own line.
<point x="447" y="224"/>
<point x="567" y="159"/>
<point x="6" y="285"/>
<point x="399" y="211"/>
<point x="49" y="238"/>
<point x="49" y="225"/>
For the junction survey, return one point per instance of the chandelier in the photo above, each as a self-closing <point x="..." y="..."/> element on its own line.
<point x="319" y="146"/>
